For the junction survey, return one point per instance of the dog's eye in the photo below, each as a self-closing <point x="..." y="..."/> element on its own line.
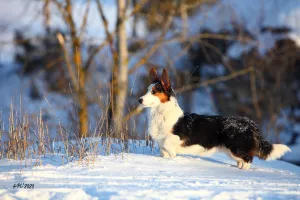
<point x="153" y="92"/>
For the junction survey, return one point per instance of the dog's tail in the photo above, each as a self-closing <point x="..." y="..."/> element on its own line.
<point x="268" y="151"/>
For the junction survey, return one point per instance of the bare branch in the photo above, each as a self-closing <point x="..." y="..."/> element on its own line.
<point x="93" y="54"/>
<point x="85" y="17"/>
<point x="70" y="20"/>
<point x="105" y="22"/>
<point x="133" y="112"/>
<point x="61" y="41"/>
<point x="184" y="18"/>
<point x="137" y="8"/>
<point x="108" y="35"/>
<point x="154" y="48"/>
<point x="215" y="80"/>
<point x="217" y="51"/>
<point x="198" y="3"/>
<point x="208" y="36"/>
<point x="161" y="41"/>
<point x="46" y="11"/>
<point x="61" y="9"/>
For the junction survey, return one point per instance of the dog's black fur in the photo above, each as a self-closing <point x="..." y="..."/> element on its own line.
<point x="238" y="134"/>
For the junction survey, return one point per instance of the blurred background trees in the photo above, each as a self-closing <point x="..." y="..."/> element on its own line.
<point x="97" y="54"/>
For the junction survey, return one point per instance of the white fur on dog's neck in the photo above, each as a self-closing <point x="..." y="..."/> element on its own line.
<point x="162" y="118"/>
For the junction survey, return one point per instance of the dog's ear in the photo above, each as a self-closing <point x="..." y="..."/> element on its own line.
<point x="153" y="75"/>
<point x="165" y="81"/>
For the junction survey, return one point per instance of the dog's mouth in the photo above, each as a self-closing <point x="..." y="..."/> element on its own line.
<point x="147" y="105"/>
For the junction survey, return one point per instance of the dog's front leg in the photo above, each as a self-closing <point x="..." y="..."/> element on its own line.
<point x="164" y="153"/>
<point x="170" y="145"/>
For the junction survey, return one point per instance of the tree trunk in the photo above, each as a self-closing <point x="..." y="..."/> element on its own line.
<point x="83" y="114"/>
<point x="122" y="75"/>
<point x="80" y="87"/>
<point x="81" y="94"/>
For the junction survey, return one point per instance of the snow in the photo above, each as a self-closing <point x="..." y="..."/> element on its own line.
<point x="149" y="176"/>
<point x="144" y="175"/>
<point x="237" y="49"/>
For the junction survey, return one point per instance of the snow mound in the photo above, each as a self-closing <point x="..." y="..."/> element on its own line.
<point x="136" y="176"/>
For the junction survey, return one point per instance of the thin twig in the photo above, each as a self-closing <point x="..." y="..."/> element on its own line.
<point x="85" y="17"/>
<point x="134" y="112"/>
<point x="155" y="46"/>
<point x="93" y="54"/>
<point x="162" y="41"/>
<point x="105" y="22"/>
<point x="215" y="80"/>
<point x="136" y="9"/>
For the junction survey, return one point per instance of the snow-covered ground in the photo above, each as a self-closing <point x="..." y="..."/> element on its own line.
<point x="146" y="176"/>
<point x="136" y="176"/>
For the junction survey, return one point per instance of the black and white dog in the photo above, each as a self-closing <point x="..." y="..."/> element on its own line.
<point x="180" y="133"/>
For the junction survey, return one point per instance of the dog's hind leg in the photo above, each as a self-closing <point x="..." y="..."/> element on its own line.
<point x="243" y="160"/>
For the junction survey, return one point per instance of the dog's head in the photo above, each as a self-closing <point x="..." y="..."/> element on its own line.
<point x="159" y="91"/>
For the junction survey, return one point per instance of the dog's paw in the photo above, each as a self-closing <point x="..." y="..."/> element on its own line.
<point x="164" y="154"/>
<point x="172" y="155"/>
<point x="243" y="165"/>
<point x="240" y="164"/>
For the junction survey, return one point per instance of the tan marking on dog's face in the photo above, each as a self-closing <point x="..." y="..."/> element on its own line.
<point x="163" y="97"/>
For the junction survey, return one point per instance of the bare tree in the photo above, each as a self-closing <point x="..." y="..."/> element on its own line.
<point x="122" y="80"/>
<point x="76" y="70"/>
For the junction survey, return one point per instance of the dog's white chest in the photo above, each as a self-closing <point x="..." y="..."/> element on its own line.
<point x="156" y="125"/>
<point x="162" y="119"/>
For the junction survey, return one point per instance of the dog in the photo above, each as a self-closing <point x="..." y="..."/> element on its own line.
<point x="177" y="132"/>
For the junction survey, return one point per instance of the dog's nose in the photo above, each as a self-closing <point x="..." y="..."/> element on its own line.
<point x="140" y="100"/>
